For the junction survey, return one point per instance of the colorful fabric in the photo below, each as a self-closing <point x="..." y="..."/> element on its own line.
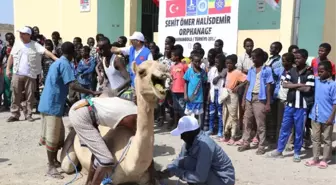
<point x="141" y="57"/>
<point x="52" y="132"/>
<point x="233" y="78"/>
<point x="315" y="62"/>
<point x="85" y="70"/>
<point x="216" y="107"/>
<point x="193" y="108"/>
<point x="177" y="72"/>
<point x="194" y="79"/>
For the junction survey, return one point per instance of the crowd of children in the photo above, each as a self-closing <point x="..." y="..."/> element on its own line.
<point x="231" y="96"/>
<point x="269" y="99"/>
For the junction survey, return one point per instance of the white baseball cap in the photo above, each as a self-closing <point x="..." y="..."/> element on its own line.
<point x="137" y="36"/>
<point x="25" y="30"/>
<point x="185" y="124"/>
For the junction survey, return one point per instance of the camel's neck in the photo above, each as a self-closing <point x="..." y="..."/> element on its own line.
<point x="142" y="148"/>
<point x="145" y="119"/>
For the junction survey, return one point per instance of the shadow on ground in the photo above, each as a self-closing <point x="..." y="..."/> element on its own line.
<point x="163" y="150"/>
<point x="3" y="160"/>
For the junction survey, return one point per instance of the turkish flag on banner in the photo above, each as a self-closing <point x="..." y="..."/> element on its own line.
<point x="273" y="3"/>
<point x="175" y="8"/>
<point x="156" y="2"/>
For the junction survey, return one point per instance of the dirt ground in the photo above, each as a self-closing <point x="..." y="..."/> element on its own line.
<point x="23" y="161"/>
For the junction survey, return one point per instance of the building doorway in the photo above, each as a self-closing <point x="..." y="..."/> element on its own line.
<point x="150" y="19"/>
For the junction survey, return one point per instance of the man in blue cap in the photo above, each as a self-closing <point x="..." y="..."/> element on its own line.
<point x="201" y="161"/>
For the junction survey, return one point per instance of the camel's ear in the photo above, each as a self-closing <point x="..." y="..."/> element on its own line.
<point x="142" y="72"/>
<point x="134" y="67"/>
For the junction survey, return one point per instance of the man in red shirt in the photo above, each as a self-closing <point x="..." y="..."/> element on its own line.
<point x="323" y="52"/>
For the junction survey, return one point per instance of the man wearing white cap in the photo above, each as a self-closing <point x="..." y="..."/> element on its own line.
<point x="138" y="53"/>
<point x="201" y="161"/>
<point x="25" y="58"/>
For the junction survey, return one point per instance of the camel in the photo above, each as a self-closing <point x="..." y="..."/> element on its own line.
<point x="137" y="165"/>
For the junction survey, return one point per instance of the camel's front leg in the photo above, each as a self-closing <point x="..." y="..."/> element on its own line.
<point x="148" y="178"/>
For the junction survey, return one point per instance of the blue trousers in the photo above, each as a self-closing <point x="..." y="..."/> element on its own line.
<point x="292" y="116"/>
<point x="213" y="108"/>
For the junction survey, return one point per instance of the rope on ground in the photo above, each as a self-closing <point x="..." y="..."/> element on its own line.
<point x="74" y="165"/>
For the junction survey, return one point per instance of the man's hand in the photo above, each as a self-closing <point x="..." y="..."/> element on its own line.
<point x="8" y="73"/>
<point x="267" y="108"/>
<point x="96" y="93"/>
<point x="330" y="121"/>
<point x="243" y="104"/>
<point x="235" y="90"/>
<point x="165" y="174"/>
<point x="186" y="98"/>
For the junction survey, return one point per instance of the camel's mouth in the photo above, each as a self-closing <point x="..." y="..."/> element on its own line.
<point x="159" y="85"/>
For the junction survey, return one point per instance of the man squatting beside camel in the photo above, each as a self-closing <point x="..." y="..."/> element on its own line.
<point x="201" y="161"/>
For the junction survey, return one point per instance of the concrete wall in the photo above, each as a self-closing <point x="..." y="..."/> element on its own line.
<point x="63" y="16"/>
<point x="311" y="25"/>
<point x="262" y="39"/>
<point x="330" y="27"/>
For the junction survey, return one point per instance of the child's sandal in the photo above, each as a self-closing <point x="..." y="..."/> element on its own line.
<point x="255" y="141"/>
<point x="323" y="165"/>
<point x="224" y="140"/>
<point x="239" y="143"/>
<point x="311" y="163"/>
<point x="231" y="142"/>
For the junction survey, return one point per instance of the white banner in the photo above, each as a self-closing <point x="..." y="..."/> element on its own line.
<point x="202" y="21"/>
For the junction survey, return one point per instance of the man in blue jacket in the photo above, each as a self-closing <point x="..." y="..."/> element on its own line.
<point x="137" y="52"/>
<point x="201" y="161"/>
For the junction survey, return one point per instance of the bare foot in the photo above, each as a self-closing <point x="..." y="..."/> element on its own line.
<point x="57" y="164"/>
<point x="52" y="172"/>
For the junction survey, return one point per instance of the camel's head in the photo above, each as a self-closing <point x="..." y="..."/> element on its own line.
<point x="150" y="81"/>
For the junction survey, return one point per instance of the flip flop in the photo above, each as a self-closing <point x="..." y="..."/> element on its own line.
<point x="255" y="141"/>
<point x="239" y="143"/>
<point x="323" y="165"/>
<point x="56" y="175"/>
<point x="230" y="142"/>
<point x="311" y="163"/>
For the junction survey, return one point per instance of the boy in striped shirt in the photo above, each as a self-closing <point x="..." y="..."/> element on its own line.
<point x="300" y="82"/>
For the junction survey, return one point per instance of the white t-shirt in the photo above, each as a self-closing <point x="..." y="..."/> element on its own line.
<point x="23" y="63"/>
<point x="126" y="51"/>
<point x="212" y="74"/>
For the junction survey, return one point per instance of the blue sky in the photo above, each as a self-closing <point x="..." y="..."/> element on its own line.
<point x="6" y="12"/>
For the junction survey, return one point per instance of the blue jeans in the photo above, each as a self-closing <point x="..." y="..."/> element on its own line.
<point x="213" y="108"/>
<point x="292" y="116"/>
<point x="83" y="95"/>
<point x="188" y="163"/>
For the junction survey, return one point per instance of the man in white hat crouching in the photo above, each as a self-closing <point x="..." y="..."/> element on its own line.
<point x="201" y="161"/>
